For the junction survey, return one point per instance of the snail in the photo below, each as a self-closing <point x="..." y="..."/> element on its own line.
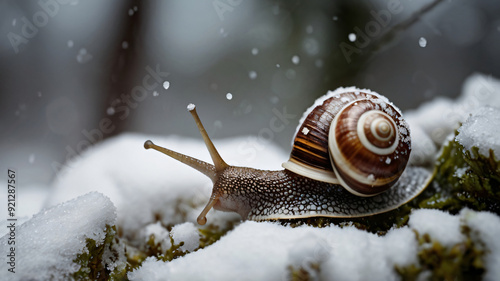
<point x="348" y="159"/>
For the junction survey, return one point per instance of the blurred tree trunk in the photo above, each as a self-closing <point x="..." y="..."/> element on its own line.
<point x="124" y="64"/>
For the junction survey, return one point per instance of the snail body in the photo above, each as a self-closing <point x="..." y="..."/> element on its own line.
<point x="348" y="159"/>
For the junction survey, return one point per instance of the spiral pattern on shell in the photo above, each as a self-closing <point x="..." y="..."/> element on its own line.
<point x="352" y="137"/>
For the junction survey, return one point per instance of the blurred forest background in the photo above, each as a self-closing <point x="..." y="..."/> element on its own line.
<point x="75" y="72"/>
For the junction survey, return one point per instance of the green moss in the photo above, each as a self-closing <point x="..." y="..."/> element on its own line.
<point x="93" y="263"/>
<point x="212" y="233"/>
<point x="462" y="261"/>
<point x="466" y="179"/>
<point x="208" y="235"/>
<point x="303" y="274"/>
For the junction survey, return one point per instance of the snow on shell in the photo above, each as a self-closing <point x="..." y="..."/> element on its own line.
<point x="47" y="244"/>
<point x="144" y="183"/>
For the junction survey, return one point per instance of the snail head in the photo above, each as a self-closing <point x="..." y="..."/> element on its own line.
<point x="211" y="171"/>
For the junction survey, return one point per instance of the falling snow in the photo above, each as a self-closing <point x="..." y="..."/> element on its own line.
<point x="422" y="42"/>
<point x="31" y="158"/>
<point x="252" y="75"/>
<point x="110" y="110"/>
<point x="83" y="56"/>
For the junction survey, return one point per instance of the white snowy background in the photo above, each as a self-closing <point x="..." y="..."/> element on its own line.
<point x="240" y="68"/>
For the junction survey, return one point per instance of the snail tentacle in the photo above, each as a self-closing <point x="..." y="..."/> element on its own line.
<point x="219" y="163"/>
<point x="201" y="166"/>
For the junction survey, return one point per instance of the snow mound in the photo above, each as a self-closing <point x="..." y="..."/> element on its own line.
<point x="442" y="226"/>
<point x="423" y="149"/>
<point x="263" y="251"/>
<point x="161" y="234"/>
<point x="481" y="130"/>
<point x="47" y="244"/>
<point x="440" y="117"/>
<point x="266" y="250"/>
<point x="435" y="118"/>
<point x="188" y="233"/>
<point x="487" y="227"/>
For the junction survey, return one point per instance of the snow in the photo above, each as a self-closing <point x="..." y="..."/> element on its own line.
<point x="431" y="119"/>
<point x="487" y="227"/>
<point x="161" y="234"/>
<point x="263" y="251"/>
<point x="422" y="42"/>
<point x="437" y="119"/>
<point x="423" y="148"/>
<point x="441" y="116"/>
<point x="188" y="233"/>
<point x="252" y="75"/>
<point x="47" y="244"/>
<point x="437" y="224"/>
<point x="83" y="56"/>
<point x="481" y="130"/>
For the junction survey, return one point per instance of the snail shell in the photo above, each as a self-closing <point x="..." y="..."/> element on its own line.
<point x="352" y="137"/>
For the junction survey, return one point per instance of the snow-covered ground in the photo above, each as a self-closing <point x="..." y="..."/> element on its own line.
<point x="263" y="251"/>
<point x="119" y="183"/>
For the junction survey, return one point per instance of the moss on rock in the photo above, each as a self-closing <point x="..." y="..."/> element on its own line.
<point x="102" y="260"/>
<point x="462" y="261"/>
<point x="466" y="179"/>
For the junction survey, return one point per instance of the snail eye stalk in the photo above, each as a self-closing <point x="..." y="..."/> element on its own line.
<point x="219" y="163"/>
<point x="211" y="171"/>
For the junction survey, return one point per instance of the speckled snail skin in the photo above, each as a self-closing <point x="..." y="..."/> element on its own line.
<point x="348" y="160"/>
